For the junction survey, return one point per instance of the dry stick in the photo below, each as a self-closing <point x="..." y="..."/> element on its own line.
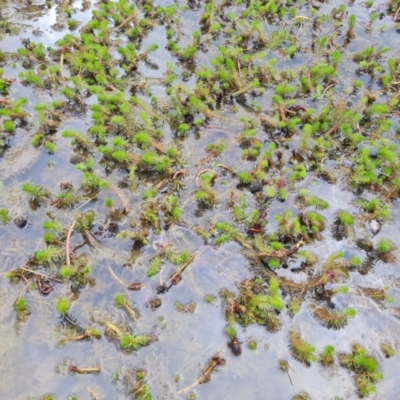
<point x="192" y="386"/>
<point x="68" y="241"/>
<point x="396" y="14"/>
<point x="62" y="64"/>
<point x="126" y="21"/>
<point x="327" y="88"/>
<point x="88" y="370"/>
<point x="23" y="291"/>
<point x="184" y="266"/>
<point x="28" y="283"/>
<point x="131" y="286"/>
<point x="92" y="393"/>
<point x="212" y="364"/>
<point x="86" y="202"/>
<point x="119" y="280"/>
<point x="111" y="87"/>
<point x="38" y="273"/>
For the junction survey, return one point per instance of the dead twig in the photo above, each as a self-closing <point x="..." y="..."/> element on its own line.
<point x="178" y="273"/>
<point x="62" y="64"/>
<point x="92" y="393"/>
<point x="129" y="286"/>
<point x="68" y="242"/>
<point x="396" y="14"/>
<point x="88" y="370"/>
<point x="126" y="21"/>
<point x="327" y="88"/>
<point x="38" y="273"/>
<point x="206" y="373"/>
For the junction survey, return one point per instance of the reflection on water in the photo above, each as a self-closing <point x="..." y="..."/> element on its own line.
<point x="32" y="362"/>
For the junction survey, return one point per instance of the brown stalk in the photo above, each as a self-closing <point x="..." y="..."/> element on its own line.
<point x="181" y="172"/>
<point x="38" y="273"/>
<point x="327" y="88"/>
<point x="88" y="370"/>
<point x="181" y="269"/>
<point x="396" y="14"/>
<point x="129" y="286"/>
<point x="126" y="21"/>
<point x="206" y="373"/>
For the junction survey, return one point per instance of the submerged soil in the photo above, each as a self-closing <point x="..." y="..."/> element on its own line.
<point x="199" y="200"/>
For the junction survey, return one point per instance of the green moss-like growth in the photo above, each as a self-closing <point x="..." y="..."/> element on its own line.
<point x="387" y="350"/>
<point x="121" y="301"/>
<point x="4" y="217"/>
<point x="35" y="193"/>
<point x="300" y="349"/>
<point x="21" y="305"/>
<point x="136" y="342"/>
<point x="9" y="126"/>
<point x="154" y="267"/>
<point x="326" y="357"/>
<point x="63" y="305"/>
<point x="364" y="368"/>
<point x="334" y="319"/>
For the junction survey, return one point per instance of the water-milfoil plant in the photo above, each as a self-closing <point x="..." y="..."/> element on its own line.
<point x="300" y="349"/>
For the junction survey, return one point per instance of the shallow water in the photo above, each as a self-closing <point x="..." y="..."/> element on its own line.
<point x="33" y="364"/>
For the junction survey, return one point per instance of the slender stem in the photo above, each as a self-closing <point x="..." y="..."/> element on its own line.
<point x="184" y="266"/>
<point x="62" y="64"/>
<point x="396" y="14"/>
<point x="126" y="21"/>
<point x="192" y="386"/>
<point x="179" y="173"/>
<point x="92" y="393"/>
<point x="38" y="273"/>
<point x="117" y="278"/>
<point x="290" y="379"/>
<point x="68" y="242"/>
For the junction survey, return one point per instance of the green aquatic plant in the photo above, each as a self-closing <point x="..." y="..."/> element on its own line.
<point x="4" y="216"/>
<point x="384" y="250"/>
<point x="308" y="201"/>
<point x="364" y="368"/>
<point x="375" y="209"/>
<point x="388" y="350"/>
<point x="326" y="357"/>
<point x="49" y="255"/>
<point x="136" y="342"/>
<point x="300" y="349"/>
<point x="342" y="225"/>
<point x="335" y="319"/>
<point x="79" y="140"/>
<point x="205" y="194"/>
<point x="123" y="302"/>
<point x="21" y="306"/>
<point x="35" y="193"/>
<point x="63" y="305"/>
<point x="154" y="267"/>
